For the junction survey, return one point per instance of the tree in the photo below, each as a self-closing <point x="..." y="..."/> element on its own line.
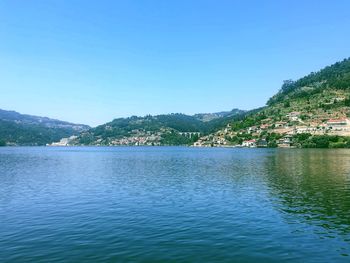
<point x="288" y="85"/>
<point x="2" y="142"/>
<point x="347" y="102"/>
<point x="321" y="141"/>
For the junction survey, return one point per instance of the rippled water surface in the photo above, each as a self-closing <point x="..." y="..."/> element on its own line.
<point x="161" y="204"/>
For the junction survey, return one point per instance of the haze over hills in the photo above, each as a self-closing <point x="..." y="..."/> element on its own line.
<point x="23" y="129"/>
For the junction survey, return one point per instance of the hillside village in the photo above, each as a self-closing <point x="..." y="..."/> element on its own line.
<point x="283" y="131"/>
<point x="291" y="119"/>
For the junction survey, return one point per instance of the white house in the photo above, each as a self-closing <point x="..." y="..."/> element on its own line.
<point x="249" y="143"/>
<point x="339" y="124"/>
<point x="294" y="115"/>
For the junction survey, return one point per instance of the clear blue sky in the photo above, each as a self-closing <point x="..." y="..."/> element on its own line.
<point x="92" y="61"/>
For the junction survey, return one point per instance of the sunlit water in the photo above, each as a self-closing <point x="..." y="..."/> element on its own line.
<point x="161" y="204"/>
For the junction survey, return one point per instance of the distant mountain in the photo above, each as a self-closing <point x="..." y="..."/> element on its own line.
<point x="23" y="129"/>
<point x="205" y="117"/>
<point x="36" y="120"/>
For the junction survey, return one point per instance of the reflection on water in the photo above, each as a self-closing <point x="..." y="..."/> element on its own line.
<point x="314" y="185"/>
<point x="160" y="204"/>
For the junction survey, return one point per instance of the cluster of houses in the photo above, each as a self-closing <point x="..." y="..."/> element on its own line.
<point x="137" y="137"/>
<point x="151" y="140"/>
<point x="340" y="126"/>
<point x="210" y="141"/>
<point x="284" y="142"/>
<point x="292" y="125"/>
<point x="147" y="138"/>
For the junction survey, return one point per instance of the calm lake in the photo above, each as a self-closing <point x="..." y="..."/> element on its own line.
<point x="178" y="204"/>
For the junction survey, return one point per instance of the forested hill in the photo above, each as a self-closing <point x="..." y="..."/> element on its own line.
<point x="165" y="129"/>
<point x="37" y="120"/>
<point x="336" y="76"/>
<point x="22" y="129"/>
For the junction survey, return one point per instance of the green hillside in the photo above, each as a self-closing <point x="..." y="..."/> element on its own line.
<point x="299" y="115"/>
<point x="166" y="129"/>
<point x="22" y="129"/>
<point x="334" y="77"/>
<point x="12" y="133"/>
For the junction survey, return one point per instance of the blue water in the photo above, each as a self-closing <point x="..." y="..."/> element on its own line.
<point x="177" y="204"/>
